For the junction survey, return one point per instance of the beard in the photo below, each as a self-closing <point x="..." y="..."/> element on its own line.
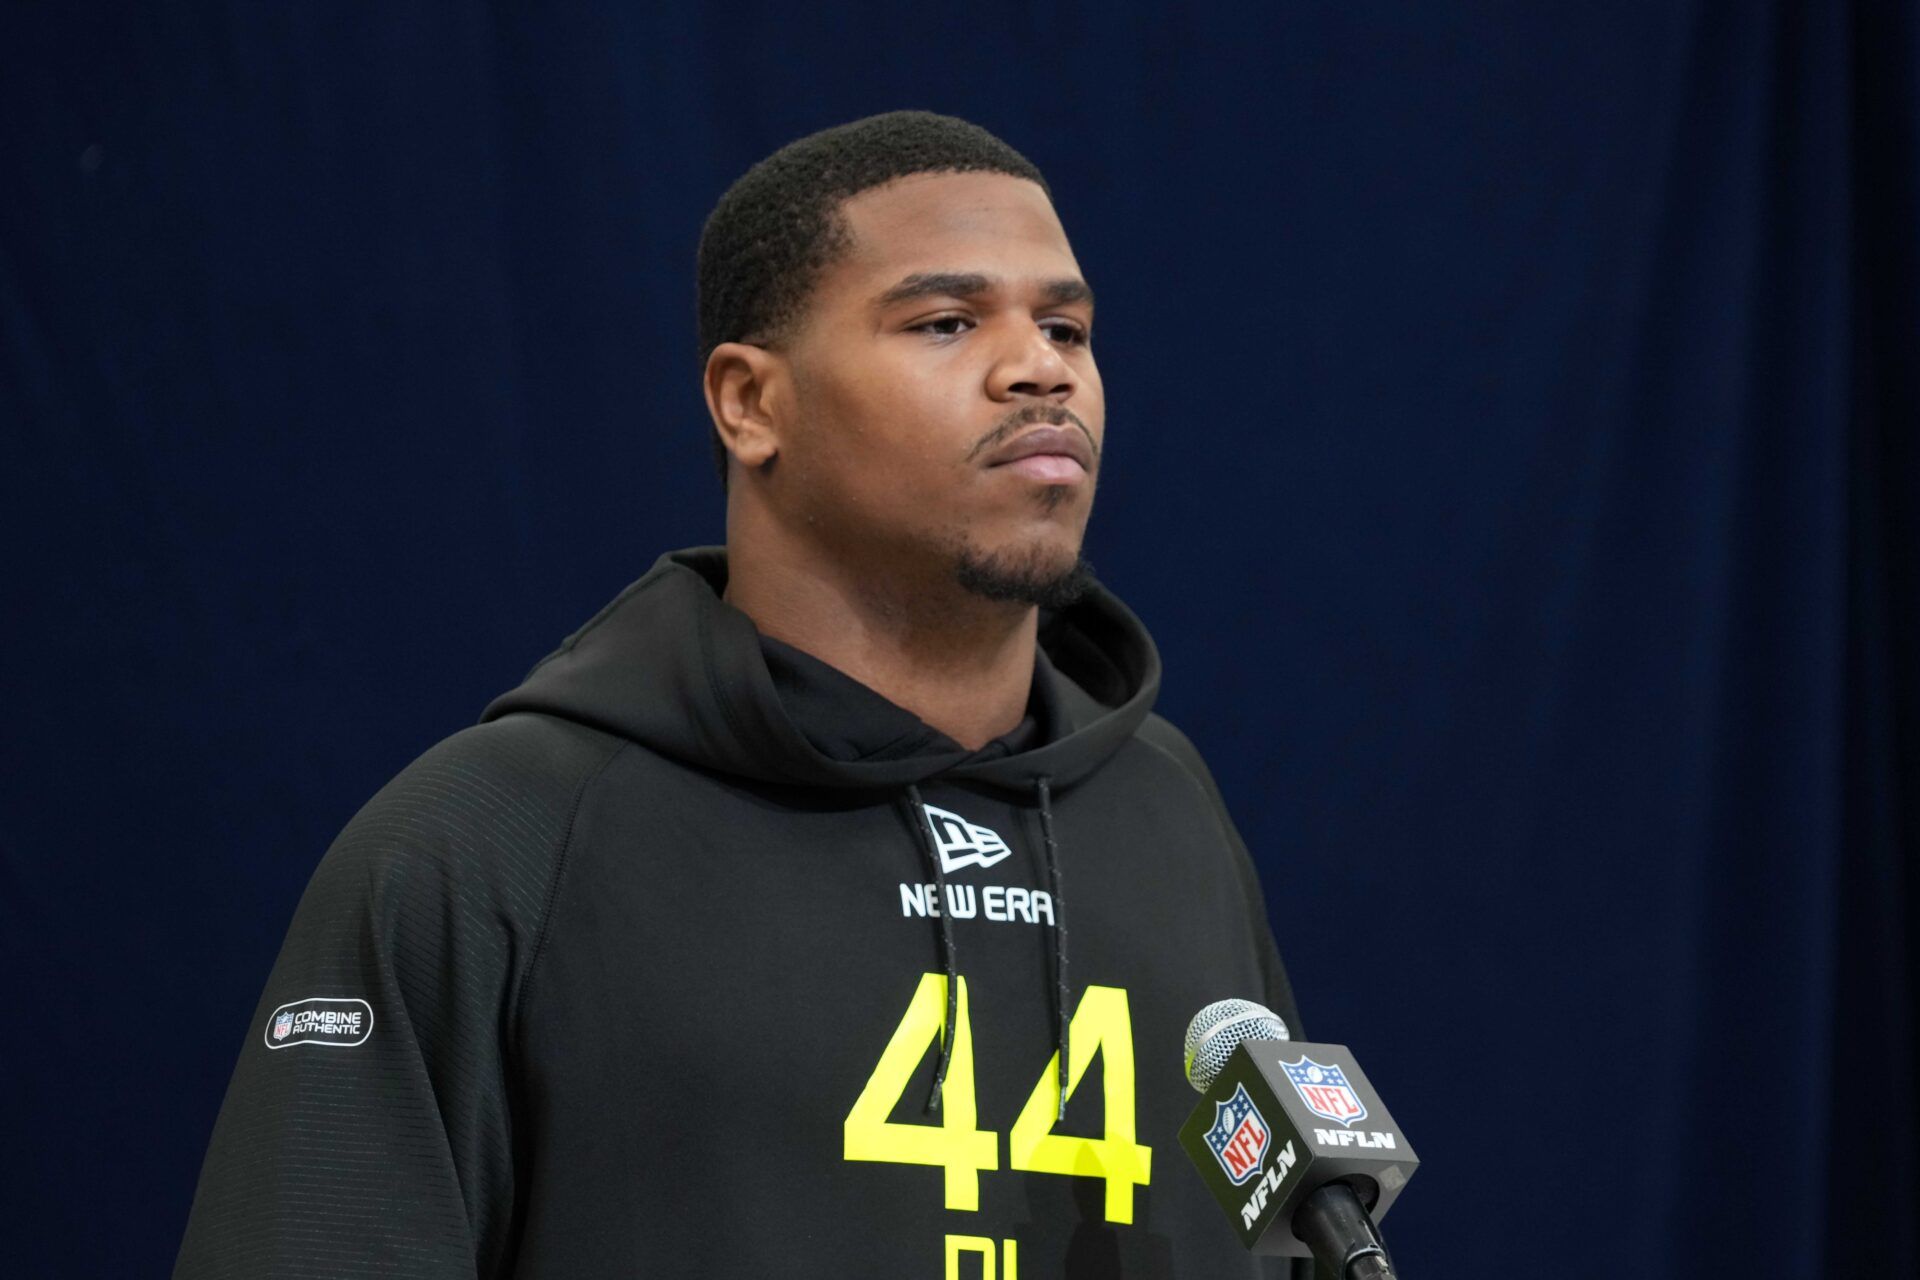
<point x="1030" y="576"/>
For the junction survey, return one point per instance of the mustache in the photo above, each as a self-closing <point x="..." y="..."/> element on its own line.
<point x="1054" y="415"/>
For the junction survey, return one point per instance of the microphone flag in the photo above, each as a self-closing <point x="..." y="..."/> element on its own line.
<point x="1282" y="1119"/>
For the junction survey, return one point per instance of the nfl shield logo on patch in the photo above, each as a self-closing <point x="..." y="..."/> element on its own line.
<point x="1325" y="1090"/>
<point x="1239" y="1136"/>
<point x="282" y="1026"/>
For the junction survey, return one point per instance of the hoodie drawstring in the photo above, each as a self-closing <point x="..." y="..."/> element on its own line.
<point x="917" y="819"/>
<point x="916" y="814"/>
<point x="1043" y="791"/>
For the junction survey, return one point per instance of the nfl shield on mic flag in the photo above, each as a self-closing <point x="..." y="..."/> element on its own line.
<point x="1282" y="1119"/>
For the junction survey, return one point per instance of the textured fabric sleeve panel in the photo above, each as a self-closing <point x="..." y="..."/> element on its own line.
<point x="395" y="1156"/>
<point x="1162" y="734"/>
<point x="1279" y="992"/>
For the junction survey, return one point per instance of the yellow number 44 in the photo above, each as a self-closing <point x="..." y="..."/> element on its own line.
<point x="1102" y="1023"/>
<point x="955" y="1144"/>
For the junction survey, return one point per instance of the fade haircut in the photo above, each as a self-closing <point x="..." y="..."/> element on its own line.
<point x="776" y="228"/>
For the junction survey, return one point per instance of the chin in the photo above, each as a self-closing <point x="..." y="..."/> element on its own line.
<point x="1051" y="575"/>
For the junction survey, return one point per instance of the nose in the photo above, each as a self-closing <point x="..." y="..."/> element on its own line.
<point x="1032" y="365"/>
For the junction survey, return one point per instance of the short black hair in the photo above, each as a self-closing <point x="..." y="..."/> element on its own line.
<point x="766" y="241"/>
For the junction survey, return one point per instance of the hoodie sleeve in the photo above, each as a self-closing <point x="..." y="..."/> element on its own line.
<point x="1279" y="990"/>
<point x="368" y="1127"/>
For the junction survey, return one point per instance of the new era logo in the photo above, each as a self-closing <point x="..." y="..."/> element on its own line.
<point x="961" y="843"/>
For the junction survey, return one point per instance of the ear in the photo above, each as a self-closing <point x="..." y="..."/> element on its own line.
<point x="747" y="397"/>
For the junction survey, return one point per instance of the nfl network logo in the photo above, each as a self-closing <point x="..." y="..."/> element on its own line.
<point x="1239" y="1136"/>
<point x="283" y="1026"/>
<point x="1325" y="1090"/>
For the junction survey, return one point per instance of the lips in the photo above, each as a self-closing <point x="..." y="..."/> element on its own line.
<point x="1046" y="441"/>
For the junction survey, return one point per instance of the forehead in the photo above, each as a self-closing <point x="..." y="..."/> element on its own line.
<point x="992" y="223"/>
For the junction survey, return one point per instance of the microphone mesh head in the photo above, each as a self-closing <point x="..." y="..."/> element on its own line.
<point x="1220" y="1028"/>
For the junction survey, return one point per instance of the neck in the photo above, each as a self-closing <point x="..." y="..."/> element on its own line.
<point x="961" y="663"/>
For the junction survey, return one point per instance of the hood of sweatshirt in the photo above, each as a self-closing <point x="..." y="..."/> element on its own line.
<point x="671" y="665"/>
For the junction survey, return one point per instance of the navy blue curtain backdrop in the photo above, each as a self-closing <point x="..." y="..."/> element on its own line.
<point x="1513" y="449"/>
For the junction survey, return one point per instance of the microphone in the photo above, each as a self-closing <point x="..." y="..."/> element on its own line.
<point x="1293" y="1141"/>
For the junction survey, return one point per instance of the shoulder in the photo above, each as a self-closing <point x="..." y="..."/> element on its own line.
<point x="1180" y="753"/>
<point x="1181" y="762"/>
<point x="484" y="811"/>
<point x="1160" y="736"/>
<point x="1160" y="733"/>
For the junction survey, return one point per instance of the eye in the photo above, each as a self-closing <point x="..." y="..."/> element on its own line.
<point x="940" y="326"/>
<point x="1073" y="336"/>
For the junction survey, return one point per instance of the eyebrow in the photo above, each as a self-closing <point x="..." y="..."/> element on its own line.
<point x="967" y="284"/>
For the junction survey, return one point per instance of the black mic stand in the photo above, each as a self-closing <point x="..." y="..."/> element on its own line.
<point x="1344" y="1240"/>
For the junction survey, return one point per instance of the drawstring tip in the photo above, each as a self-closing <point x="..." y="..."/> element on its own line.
<point x="1061" y="1115"/>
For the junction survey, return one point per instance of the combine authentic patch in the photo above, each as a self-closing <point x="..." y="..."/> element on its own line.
<point x="341" y="1022"/>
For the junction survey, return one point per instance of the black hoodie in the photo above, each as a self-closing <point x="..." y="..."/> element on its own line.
<point x="648" y="974"/>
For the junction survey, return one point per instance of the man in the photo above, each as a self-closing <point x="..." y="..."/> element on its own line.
<point x="832" y="904"/>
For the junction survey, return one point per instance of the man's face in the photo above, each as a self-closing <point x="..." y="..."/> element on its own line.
<point x="947" y="342"/>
